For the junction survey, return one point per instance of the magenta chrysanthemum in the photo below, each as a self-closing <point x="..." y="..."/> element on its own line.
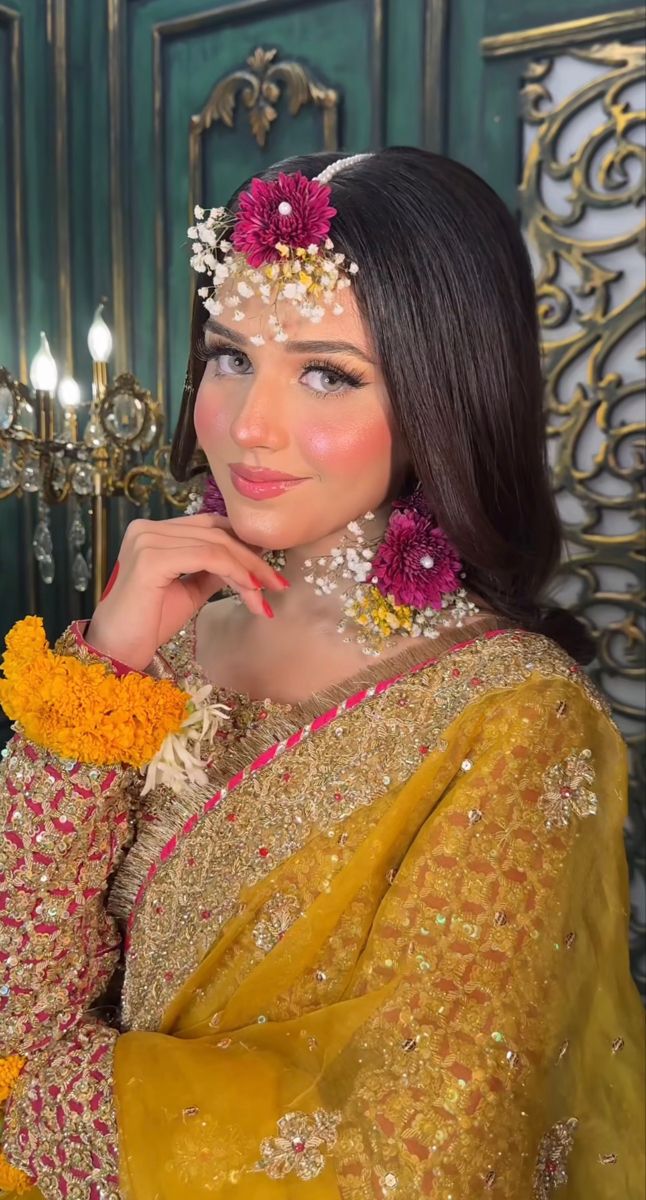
<point x="213" y="500"/>
<point x="416" y="563"/>
<point x="260" y="224"/>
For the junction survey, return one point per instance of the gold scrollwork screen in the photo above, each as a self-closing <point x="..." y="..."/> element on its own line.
<point x="583" y="180"/>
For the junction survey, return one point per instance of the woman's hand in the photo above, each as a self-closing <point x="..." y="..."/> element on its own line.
<point x="165" y="572"/>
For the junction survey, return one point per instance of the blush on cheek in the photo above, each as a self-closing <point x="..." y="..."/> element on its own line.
<point x="210" y="420"/>
<point x="347" y="448"/>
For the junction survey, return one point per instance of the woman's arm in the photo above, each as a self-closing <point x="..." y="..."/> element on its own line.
<point x="64" y="825"/>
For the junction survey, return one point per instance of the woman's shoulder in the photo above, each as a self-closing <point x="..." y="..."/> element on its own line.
<point x="505" y="662"/>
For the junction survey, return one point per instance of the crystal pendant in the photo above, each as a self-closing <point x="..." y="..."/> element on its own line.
<point x="46" y="569"/>
<point x="82" y="479"/>
<point x="80" y="573"/>
<point x="30" y="477"/>
<point x="42" y="542"/>
<point x="93" y="434"/>
<point x="76" y="533"/>
<point x="126" y="416"/>
<point x="7" y="469"/>
<point x="6" y="407"/>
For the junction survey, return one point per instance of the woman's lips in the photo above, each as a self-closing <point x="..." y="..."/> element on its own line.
<point x="259" y="488"/>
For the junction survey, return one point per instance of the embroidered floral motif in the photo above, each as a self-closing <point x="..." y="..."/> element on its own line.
<point x="566" y="792"/>
<point x="553" y="1153"/>
<point x="279" y="914"/>
<point x="298" y="1147"/>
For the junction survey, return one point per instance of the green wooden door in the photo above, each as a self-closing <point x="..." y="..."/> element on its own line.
<point x="117" y="115"/>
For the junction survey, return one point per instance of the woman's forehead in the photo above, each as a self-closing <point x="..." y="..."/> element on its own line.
<point x="251" y="317"/>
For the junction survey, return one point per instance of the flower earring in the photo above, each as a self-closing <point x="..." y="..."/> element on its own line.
<point x="409" y="584"/>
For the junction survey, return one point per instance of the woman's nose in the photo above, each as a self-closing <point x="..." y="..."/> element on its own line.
<point x="258" y="421"/>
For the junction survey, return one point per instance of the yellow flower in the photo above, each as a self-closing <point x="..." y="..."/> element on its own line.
<point x="80" y="710"/>
<point x="12" y="1179"/>
<point x="10" y="1069"/>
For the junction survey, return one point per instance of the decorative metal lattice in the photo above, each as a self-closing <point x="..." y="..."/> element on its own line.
<point x="582" y="183"/>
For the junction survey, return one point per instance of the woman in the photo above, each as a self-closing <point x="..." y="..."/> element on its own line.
<point x="372" y="911"/>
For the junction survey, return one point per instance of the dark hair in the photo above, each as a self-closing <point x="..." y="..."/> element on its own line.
<point x="446" y="290"/>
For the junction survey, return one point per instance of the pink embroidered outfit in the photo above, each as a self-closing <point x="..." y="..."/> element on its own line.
<point x="380" y="954"/>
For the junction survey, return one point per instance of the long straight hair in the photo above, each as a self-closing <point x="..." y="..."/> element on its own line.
<point x="446" y="291"/>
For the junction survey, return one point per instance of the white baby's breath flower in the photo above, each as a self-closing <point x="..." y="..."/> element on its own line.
<point x="257" y="339"/>
<point x="280" y="336"/>
<point x="244" y="289"/>
<point x="192" y="231"/>
<point x="221" y="272"/>
<point x="198" y="212"/>
<point x="203" y="292"/>
<point x="177" y="763"/>
<point x="238" y="315"/>
<point x="214" y="307"/>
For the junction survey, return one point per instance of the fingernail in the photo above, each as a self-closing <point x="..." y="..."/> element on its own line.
<point x="255" y="581"/>
<point x="266" y="608"/>
<point x="281" y="579"/>
<point x="112" y="580"/>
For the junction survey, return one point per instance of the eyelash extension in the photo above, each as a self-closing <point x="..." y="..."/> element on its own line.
<point x="350" y="377"/>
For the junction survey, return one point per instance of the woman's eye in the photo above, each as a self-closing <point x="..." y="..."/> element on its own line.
<point x="324" y="381"/>
<point x="229" y="362"/>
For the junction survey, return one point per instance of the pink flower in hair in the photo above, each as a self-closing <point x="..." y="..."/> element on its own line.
<point x="292" y="209"/>
<point x="416" y="563"/>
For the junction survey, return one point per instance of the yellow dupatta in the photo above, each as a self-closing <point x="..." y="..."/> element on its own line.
<point x="423" y="991"/>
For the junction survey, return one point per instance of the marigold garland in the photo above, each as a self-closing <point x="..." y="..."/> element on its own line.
<point x="80" y="710"/>
<point x="12" y="1179"/>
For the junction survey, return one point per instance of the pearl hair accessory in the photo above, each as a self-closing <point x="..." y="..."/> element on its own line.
<point x="276" y="247"/>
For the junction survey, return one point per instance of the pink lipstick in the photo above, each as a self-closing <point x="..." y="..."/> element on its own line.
<point x="259" y="483"/>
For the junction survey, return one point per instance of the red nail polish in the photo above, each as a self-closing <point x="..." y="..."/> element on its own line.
<point x="112" y="580"/>
<point x="266" y="608"/>
<point x="284" y="582"/>
<point x="255" y="581"/>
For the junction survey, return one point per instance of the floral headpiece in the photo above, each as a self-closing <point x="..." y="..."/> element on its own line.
<point x="276" y="247"/>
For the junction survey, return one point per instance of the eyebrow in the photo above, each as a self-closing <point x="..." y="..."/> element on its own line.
<point x="315" y="347"/>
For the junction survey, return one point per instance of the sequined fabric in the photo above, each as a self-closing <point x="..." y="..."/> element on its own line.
<point x="357" y="963"/>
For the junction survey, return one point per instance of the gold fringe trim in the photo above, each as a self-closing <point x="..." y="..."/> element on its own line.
<point x="176" y="661"/>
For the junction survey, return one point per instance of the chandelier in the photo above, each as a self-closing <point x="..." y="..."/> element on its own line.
<point x="118" y="452"/>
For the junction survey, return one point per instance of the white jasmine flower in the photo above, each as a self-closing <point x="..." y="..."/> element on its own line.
<point x="177" y="763"/>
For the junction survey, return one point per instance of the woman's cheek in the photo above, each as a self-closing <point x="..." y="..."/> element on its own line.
<point x="210" y="419"/>
<point x="347" y="447"/>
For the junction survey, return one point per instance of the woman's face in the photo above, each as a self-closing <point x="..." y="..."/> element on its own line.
<point x="313" y="407"/>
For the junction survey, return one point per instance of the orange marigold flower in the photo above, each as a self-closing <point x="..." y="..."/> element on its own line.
<point x="10" y="1068"/>
<point x="12" y="1179"/>
<point x="80" y="710"/>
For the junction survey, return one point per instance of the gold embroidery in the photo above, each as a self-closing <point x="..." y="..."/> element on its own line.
<point x="279" y="914"/>
<point x="298" y="1147"/>
<point x="565" y="792"/>
<point x="553" y="1153"/>
<point x="331" y="779"/>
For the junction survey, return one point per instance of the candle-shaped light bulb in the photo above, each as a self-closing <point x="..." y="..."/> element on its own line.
<point x="69" y="394"/>
<point x="99" y="338"/>
<point x="43" y="372"/>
